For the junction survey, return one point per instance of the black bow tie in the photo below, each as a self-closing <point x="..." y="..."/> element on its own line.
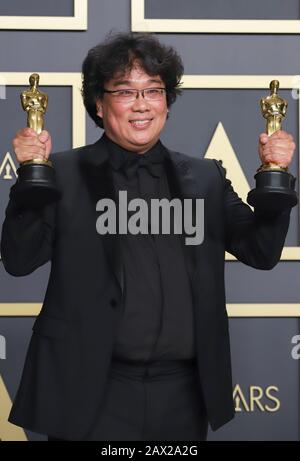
<point x="153" y="164"/>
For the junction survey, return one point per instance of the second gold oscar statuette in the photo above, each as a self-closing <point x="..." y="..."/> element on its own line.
<point x="274" y="184"/>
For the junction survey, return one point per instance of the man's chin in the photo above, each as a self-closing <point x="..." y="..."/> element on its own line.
<point x="142" y="143"/>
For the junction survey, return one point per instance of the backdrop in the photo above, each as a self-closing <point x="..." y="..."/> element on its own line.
<point x="218" y="116"/>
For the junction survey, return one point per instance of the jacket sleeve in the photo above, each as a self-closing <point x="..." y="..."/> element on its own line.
<point x="27" y="237"/>
<point x="254" y="238"/>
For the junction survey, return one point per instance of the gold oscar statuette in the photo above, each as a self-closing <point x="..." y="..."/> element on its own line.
<point x="35" y="103"/>
<point x="275" y="186"/>
<point x="36" y="184"/>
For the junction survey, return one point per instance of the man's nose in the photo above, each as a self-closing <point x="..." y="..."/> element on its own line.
<point x="140" y="103"/>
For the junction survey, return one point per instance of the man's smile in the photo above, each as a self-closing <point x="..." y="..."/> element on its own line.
<point x="141" y="124"/>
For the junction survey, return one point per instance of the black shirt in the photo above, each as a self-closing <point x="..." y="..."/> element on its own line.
<point x="157" y="319"/>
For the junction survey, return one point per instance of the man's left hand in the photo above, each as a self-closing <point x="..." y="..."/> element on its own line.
<point x="278" y="148"/>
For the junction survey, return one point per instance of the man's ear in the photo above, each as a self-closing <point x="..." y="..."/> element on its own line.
<point x="99" y="108"/>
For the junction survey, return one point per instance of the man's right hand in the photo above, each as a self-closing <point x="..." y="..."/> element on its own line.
<point x="28" y="145"/>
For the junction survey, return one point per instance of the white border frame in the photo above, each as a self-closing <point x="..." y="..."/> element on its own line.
<point x="74" y="80"/>
<point x="76" y="22"/>
<point x="210" y="26"/>
<point x="188" y="82"/>
<point x="240" y="310"/>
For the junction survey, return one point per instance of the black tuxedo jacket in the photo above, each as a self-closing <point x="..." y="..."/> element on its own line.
<point x="70" y="350"/>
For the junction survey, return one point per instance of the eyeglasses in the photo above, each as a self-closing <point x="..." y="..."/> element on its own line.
<point x="128" y="95"/>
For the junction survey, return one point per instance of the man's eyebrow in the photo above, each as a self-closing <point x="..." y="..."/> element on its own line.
<point x="129" y="82"/>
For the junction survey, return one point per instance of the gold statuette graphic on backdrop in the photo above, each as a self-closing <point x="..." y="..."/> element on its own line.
<point x="274" y="184"/>
<point x="36" y="183"/>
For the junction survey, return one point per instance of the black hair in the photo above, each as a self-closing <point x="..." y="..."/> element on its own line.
<point x="117" y="55"/>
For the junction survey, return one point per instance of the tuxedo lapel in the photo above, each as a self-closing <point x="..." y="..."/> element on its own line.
<point x="98" y="176"/>
<point x="182" y="185"/>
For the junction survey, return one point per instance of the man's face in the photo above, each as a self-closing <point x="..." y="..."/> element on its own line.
<point x="134" y="125"/>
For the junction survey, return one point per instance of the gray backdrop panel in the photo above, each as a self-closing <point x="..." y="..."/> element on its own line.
<point x="218" y="9"/>
<point x="37" y="8"/>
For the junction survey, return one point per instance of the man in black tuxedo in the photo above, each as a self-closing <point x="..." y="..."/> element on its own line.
<point x="132" y="340"/>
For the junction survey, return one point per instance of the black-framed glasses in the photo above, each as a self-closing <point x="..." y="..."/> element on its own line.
<point x="130" y="94"/>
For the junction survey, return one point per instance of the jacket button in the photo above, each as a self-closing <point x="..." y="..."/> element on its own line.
<point x="113" y="302"/>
